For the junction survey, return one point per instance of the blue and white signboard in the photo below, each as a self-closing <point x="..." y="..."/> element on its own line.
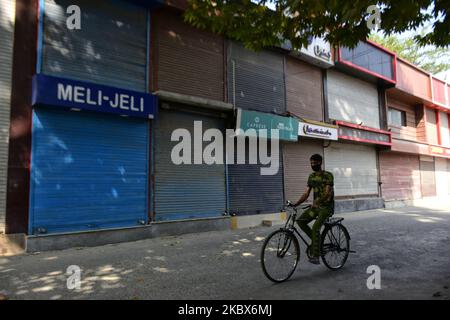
<point x="81" y="95"/>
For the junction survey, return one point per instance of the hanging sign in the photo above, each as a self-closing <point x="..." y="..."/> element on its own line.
<point x="72" y="94"/>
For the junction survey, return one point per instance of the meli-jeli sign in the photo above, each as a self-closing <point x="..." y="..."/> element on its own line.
<point x="80" y="95"/>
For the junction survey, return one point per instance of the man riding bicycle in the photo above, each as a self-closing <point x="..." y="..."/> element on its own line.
<point x="321" y="182"/>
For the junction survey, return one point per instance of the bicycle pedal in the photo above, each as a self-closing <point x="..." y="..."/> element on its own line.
<point x="352" y="251"/>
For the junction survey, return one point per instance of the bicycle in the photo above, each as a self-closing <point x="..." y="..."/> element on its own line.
<point x="335" y="242"/>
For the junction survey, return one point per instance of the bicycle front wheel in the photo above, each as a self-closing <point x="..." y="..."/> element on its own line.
<point x="280" y="255"/>
<point x="335" y="246"/>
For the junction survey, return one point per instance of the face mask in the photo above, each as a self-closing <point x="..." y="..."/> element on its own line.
<point x="316" y="167"/>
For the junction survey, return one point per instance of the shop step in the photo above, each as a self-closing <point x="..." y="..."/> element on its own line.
<point x="12" y="244"/>
<point x="273" y="222"/>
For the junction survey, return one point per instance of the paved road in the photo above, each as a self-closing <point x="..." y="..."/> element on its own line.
<point x="410" y="245"/>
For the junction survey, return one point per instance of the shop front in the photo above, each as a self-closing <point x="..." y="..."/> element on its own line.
<point x="354" y="162"/>
<point x="90" y="156"/>
<point x="256" y="88"/>
<point x="91" y="119"/>
<point x="356" y="101"/>
<point x="256" y="185"/>
<point x="188" y="186"/>
<point x="297" y="168"/>
<point x="441" y="171"/>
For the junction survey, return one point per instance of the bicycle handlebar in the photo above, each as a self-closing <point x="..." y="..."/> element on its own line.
<point x="289" y="204"/>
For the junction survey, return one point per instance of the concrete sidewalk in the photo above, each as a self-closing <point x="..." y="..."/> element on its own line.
<point x="410" y="245"/>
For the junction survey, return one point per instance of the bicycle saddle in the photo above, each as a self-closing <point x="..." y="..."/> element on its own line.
<point x="333" y="221"/>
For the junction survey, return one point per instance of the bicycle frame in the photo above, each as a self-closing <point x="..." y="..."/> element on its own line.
<point x="290" y="225"/>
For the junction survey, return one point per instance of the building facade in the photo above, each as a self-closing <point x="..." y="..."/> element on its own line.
<point x="417" y="165"/>
<point x="355" y="102"/>
<point x="96" y="116"/>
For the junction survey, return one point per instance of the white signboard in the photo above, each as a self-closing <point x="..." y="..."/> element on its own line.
<point x="318" y="52"/>
<point x="317" y="131"/>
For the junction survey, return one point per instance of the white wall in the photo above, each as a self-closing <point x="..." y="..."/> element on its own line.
<point x="445" y="134"/>
<point x="352" y="100"/>
<point x="441" y="177"/>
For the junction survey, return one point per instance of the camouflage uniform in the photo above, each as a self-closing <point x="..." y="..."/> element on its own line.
<point x="317" y="181"/>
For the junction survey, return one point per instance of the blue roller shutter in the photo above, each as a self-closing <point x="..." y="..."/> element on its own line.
<point x="253" y="193"/>
<point x="110" y="48"/>
<point x="89" y="171"/>
<point x="186" y="191"/>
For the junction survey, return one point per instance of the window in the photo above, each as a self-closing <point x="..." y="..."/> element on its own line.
<point x="397" y="117"/>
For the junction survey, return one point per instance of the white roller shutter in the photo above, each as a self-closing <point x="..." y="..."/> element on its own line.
<point x="441" y="177"/>
<point x="445" y="133"/>
<point x="448" y="176"/>
<point x="7" y="14"/>
<point x="352" y="100"/>
<point x="354" y="168"/>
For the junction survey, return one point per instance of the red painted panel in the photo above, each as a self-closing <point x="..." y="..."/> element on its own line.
<point x="448" y="95"/>
<point x="439" y="91"/>
<point x="413" y="80"/>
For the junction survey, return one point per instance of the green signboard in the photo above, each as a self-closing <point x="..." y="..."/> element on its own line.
<point x="287" y="126"/>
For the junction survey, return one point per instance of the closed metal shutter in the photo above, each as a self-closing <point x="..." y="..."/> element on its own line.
<point x="189" y="61"/>
<point x="7" y="19"/>
<point x="253" y="193"/>
<point x="304" y="89"/>
<point x="352" y="100"/>
<point x="297" y="166"/>
<point x="89" y="171"/>
<point x="354" y="168"/>
<point x="427" y="176"/>
<point x="186" y="191"/>
<point x="448" y="175"/>
<point x="256" y="80"/>
<point x="441" y="177"/>
<point x="432" y="134"/>
<point x="110" y="48"/>
<point x="400" y="176"/>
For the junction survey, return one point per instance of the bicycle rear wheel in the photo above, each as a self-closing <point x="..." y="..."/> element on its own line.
<point x="335" y="246"/>
<point x="280" y="255"/>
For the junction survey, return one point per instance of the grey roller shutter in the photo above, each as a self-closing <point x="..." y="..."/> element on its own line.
<point x="354" y="168"/>
<point x="256" y="80"/>
<point x="7" y="20"/>
<point x="427" y="176"/>
<point x="109" y="49"/>
<point x="432" y="133"/>
<point x="254" y="193"/>
<point x="297" y="166"/>
<point x="186" y="191"/>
